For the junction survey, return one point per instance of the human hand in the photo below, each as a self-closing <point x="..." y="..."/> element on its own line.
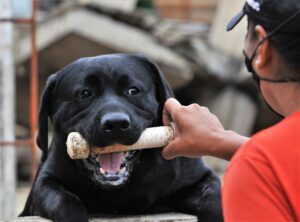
<point x="198" y="132"/>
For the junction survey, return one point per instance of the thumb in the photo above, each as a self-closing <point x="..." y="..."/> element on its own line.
<point x="170" y="105"/>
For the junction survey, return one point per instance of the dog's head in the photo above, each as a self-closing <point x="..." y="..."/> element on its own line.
<point x="107" y="99"/>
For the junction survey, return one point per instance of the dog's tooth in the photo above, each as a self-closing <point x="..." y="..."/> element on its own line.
<point x="102" y="171"/>
<point x="93" y="155"/>
<point x="122" y="170"/>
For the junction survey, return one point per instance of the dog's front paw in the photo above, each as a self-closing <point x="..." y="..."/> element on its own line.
<point x="66" y="208"/>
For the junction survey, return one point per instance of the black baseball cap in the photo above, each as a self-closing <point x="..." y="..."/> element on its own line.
<point x="271" y="14"/>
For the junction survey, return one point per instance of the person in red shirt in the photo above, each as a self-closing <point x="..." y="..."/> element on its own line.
<point x="262" y="182"/>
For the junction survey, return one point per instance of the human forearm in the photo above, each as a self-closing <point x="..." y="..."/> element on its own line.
<point x="198" y="133"/>
<point x="227" y="144"/>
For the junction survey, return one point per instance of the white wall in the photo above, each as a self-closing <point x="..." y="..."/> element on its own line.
<point x="230" y="42"/>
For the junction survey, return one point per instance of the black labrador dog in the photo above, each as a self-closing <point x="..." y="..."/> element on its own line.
<point x="111" y="99"/>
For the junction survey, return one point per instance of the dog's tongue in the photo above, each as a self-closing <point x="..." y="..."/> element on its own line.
<point x="111" y="162"/>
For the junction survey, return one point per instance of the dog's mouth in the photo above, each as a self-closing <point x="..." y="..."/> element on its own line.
<point x="111" y="169"/>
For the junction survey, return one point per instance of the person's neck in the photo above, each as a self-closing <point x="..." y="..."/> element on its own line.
<point x="290" y="98"/>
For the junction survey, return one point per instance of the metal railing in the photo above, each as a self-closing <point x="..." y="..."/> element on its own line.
<point x="33" y="88"/>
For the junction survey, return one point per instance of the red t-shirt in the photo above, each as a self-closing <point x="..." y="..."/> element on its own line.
<point x="262" y="182"/>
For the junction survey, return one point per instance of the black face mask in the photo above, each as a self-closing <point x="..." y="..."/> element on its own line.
<point x="257" y="78"/>
<point x="250" y="69"/>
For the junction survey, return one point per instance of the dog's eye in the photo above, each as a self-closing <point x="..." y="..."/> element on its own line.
<point x="85" y="93"/>
<point x="133" y="91"/>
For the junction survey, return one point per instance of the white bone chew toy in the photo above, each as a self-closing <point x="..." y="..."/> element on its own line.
<point x="78" y="148"/>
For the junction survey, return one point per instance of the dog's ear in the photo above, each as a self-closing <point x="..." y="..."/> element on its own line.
<point x="44" y="112"/>
<point x="164" y="90"/>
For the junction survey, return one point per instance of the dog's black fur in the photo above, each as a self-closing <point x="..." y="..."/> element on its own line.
<point x="112" y="99"/>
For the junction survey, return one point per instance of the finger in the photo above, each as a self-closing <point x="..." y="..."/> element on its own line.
<point x="170" y="105"/>
<point x="205" y="109"/>
<point x="167" y="153"/>
<point x="171" y="151"/>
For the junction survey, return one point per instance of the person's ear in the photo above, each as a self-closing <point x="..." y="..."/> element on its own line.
<point x="264" y="51"/>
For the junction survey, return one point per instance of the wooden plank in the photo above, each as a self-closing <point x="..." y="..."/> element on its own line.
<point x="188" y="3"/>
<point x="168" y="2"/>
<point x="204" y="3"/>
<point x="205" y="16"/>
<point x="200" y="10"/>
<point x="166" y="217"/>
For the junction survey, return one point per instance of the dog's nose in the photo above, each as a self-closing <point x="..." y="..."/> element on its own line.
<point x="115" y="122"/>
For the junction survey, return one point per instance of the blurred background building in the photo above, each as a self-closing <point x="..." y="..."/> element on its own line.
<point x="186" y="38"/>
